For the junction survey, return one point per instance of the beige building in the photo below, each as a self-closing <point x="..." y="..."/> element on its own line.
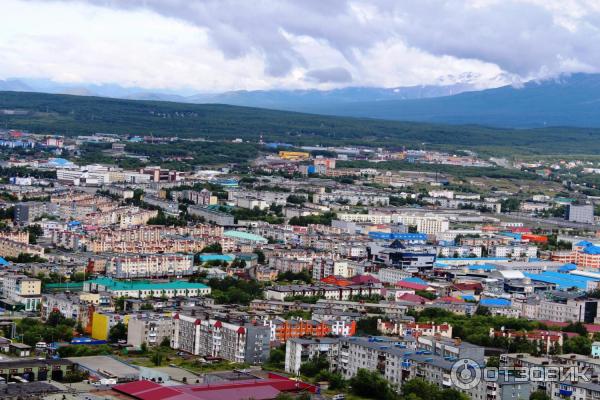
<point x="23" y="290"/>
<point x="10" y="248"/>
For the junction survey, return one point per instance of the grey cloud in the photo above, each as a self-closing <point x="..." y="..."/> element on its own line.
<point x="521" y="37"/>
<point x="329" y="75"/>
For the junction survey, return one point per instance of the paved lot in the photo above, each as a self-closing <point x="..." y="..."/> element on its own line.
<point x="177" y="374"/>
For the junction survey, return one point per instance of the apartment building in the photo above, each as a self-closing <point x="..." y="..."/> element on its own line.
<point x="300" y="350"/>
<point x="284" y="264"/>
<point x="282" y="330"/>
<point x="352" y="198"/>
<point x="151" y="330"/>
<point x="200" y="198"/>
<point x="580" y="213"/>
<point x="514" y="251"/>
<point x="404" y="328"/>
<point x="211" y="216"/>
<point x="330" y="292"/>
<point x="10" y="248"/>
<point x="150" y="265"/>
<point x="79" y="307"/>
<point x="23" y="290"/>
<point x="26" y="213"/>
<point x="15" y="236"/>
<point x="145" y="289"/>
<point x="240" y="343"/>
<point x="568" y="310"/>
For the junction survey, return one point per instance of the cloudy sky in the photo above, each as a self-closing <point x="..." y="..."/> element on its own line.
<point x="215" y="45"/>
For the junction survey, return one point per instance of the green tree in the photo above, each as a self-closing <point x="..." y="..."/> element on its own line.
<point x="373" y="385"/>
<point x="157" y="358"/>
<point x="312" y="367"/>
<point x="539" y="395"/>
<point x="578" y="345"/>
<point x="117" y="332"/>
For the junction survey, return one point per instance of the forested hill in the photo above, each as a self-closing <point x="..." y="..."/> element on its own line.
<point x="78" y="115"/>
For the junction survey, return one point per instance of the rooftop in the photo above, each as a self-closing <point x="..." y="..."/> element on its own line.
<point x="112" y="284"/>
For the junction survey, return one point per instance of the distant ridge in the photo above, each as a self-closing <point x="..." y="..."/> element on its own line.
<point x="80" y="115"/>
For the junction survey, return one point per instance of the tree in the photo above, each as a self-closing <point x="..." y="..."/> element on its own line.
<point x="55" y="318"/>
<point x="157" y="358"/>
<point x="276" y="358"/>
<point x="483" y="310"/>
<point x="312" y="367"/>
<point x="120" y="303"/>
<point x="539" y="395"/>
<point x="367" y="326"/>
<point x="577" y="327"/>
<point x="166" y="342"/>
<point x="373" y="385"/>
<point x="493" y="361"/>
<point x="261" y="256"/>
<point x="212" y="248"/>
<point x="511" y="204"/>
<point x="117" y="332"/>
<point x="78" y="277"/>
<point x="144" y="347"/>
<point x="35" y="231"/>
<point x="578" y="345"/>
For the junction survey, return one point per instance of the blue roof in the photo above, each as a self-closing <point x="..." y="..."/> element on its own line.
<point x="59" y="161"/>
<point x="584" y="243"/>
<point x="591" y="249"/>
<point x="495" y="302"/>
<point x="416" y="280"/>
<point x="567" y="268"/>
<point x="516" y="236"/>
<point x="216" y="257"/>
<point x="562" y="280"/>
<point x="485" y="267"/>
<point x="468" y="297"/>
<point x="3" y="262"/>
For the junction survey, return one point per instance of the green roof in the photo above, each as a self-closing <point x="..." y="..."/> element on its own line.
<point x="245" y="236"/>
<point x="112" y="284"/>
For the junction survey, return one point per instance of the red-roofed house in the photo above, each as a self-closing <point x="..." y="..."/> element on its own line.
<point x="412" y="298"/>
<point x="364" y="279"/>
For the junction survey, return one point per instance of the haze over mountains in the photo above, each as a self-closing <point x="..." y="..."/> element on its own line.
<point x="566" y="101"/>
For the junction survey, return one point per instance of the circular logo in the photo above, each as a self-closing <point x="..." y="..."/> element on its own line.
<point x="465" y="374"/>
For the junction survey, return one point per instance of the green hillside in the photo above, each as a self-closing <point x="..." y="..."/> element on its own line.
<point x="77" y="115"/>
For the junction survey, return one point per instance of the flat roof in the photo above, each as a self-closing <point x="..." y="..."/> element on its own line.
<point x="112" y="284"/>
<point x="244" y="236"/>
<point x="101" y="364"/>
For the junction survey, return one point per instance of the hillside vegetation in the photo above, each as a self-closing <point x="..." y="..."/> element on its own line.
<point x="78" y="115"/>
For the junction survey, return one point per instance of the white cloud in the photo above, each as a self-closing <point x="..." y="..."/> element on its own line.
<point x="211" y="45"/>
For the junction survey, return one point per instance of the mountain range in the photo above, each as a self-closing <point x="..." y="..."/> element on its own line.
<point x="570" y="100"/>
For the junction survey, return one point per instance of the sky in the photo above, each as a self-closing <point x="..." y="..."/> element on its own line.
<point x="219" y="45"/>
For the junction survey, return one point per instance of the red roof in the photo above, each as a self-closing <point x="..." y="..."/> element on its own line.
<point x="591" y="328"/>
<point x="259" y="389"/>
<point x="413" y="298"/>
<point x="468" y="286"/>
<point x="411" y="285"/>
<point x="362" y="279"/>
<point x="554" y="323"/>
